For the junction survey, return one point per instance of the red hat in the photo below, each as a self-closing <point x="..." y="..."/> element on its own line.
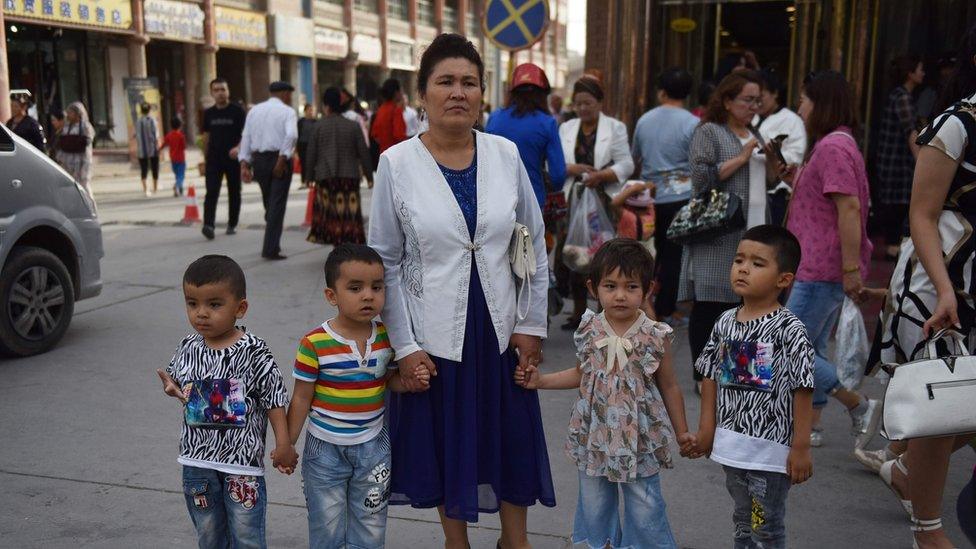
<point x="530" y="74"/>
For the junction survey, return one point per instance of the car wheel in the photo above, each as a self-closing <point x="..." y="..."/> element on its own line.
<point x="37" y="299"/>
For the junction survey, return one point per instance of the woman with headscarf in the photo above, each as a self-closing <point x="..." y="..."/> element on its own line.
<point x="74" y="151"/>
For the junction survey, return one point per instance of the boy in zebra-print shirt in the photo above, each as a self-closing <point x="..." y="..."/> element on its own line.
<point x="757" y="395"/>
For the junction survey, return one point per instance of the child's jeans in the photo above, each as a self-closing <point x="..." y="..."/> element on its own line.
<point x="346" y="489"/>
<point x="759" y="513"/>
<point x="645" y="522"/>
<point x="179" y="171"/>
<point x="227" y="510"/>
<point x="817" y="305"/>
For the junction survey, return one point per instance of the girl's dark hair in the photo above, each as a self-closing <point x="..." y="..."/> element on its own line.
<point x="527" y="99"/>
<point x="588" y="84"/>
<point x="448" y="46"/>
<point x="728" y="89"/>
<point x="626" y="254"/>
<point x="900" y="67"/>
<point x="332" y="98"/>
<point x="963" y="81"/>
<point x="833" y="104"/>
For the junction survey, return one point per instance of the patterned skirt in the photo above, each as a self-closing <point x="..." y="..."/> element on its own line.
<point x="337" y="217"/>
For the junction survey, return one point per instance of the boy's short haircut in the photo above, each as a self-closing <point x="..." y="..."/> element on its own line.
<point x="626" y="254"/>
<point x="344" y="253"/>
<point x="780" y="239"/>
<point x="676" y="82"/>
<point x="217" y="269"/>
<point x="176" y="123"/>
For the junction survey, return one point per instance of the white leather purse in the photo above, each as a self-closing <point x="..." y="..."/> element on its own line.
<point x="521" y="254"/>
<point x="933" y="396"/>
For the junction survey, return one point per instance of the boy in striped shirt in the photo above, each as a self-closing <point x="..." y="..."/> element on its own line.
<point x="340" y="380"/>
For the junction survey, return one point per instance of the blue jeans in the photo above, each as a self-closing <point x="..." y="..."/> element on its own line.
<point x="227" y="510"/>
<point x="817" y="305"/>
<point x="759" y="507"/>
<point x="179" y="171"/>
<point x="347" y="489"/>
<point x="645" y="523"/>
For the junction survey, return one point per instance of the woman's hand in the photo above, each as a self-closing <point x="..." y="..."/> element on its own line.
<point x="946" y="314"/>
<point x="529" y="350"/>
<point x="747" y="149"/>
<point x="412" y="367"/>
<point x="787" y="173"/>
<point x="854" y="286"/>
<point x="576" y="170"/>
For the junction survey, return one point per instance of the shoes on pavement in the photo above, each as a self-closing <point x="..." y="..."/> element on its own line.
<point x="208" y="232"/>
<point x="275" y="257"/>
<point x="886" y="476"/>
<point x="231" y="229"/>
<point x="873" y="459"/>
<point x="864" y="421"/>
<point x="176" y="192"/>
<point x="148" y="193"/>
<point x="816" y="437"/>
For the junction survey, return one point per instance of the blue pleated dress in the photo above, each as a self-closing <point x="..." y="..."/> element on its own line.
<point x="474" y="438"/>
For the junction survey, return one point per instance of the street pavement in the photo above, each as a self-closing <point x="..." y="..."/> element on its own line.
<point x="90" y="442"/>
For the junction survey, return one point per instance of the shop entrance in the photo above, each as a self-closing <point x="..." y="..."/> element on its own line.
<point x="165" y="62"/>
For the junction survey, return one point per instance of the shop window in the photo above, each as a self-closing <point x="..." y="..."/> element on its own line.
<point x="425" y="13"/>
<point x="369" y="6"/>
<point x="398" y="9"/>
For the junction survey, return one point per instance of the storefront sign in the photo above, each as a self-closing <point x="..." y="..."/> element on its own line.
<point x="683" y="24"/>
<point x="113" y="14"/>
<point x="369" y="48"/>
<point x="400" y="55"/>
<point x="241" y="29"/>
<point x="174" y="20"/>
<point x="291" y="35"/>
<point x="331" y="43"/>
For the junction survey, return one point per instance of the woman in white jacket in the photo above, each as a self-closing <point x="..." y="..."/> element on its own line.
<point x="597" y="156"/>
<point x="445" y="206"/>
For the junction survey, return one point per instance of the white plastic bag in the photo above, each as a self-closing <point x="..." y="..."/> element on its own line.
<point x="589" y="228"/>
<point x="851" y="346"/>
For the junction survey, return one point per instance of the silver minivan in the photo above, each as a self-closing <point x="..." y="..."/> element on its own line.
<point x="50" y="248"/>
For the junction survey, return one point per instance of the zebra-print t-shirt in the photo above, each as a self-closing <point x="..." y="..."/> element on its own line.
<point x="249" y="364"/>
<point x="757" y="365"/>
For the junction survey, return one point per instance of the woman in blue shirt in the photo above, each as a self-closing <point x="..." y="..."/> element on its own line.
<point x="527" y="123"/>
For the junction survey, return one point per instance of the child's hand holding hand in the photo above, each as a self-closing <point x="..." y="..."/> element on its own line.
<point x="284" y="459"/>
<point x="703" y="444"/>
<point x="421" y="376"/>
<point x="527" y="377"/>
<point x="687" y="444"/>
<point x="170" y="386"/>
<point x="799" y="465"/>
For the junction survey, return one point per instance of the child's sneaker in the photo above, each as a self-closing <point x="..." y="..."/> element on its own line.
<point x="816" y="437"/>
<point x="864" y="421"/>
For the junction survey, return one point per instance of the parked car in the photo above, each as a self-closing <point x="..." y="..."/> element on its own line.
<point x="50" y="248"/>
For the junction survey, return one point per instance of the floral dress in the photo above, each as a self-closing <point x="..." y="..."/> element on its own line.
<point x="619" y="428"/>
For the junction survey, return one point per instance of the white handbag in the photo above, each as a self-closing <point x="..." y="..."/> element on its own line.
<point x="933" y="396"/>
<point x="521" y="254"/>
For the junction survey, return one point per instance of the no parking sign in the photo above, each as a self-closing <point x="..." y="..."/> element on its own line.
<point x="515" y="24"/>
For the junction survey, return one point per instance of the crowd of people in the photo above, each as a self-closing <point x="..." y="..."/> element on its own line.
<point x="754" y="214"/>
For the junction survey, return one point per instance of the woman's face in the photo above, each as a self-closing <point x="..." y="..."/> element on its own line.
<point x="72" y="116"/>
<point x="453" y="96"/>
<point x="587" y="107"/>
<point x="57" y="123"/>
<point x="745" y="105"/>
<point x="805" y="108"/>
<point x="917" y="76"/>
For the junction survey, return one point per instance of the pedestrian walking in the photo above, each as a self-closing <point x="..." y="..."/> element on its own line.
<point x="388" y="126"/>
<point x="23" y="124"/>
<point x="897" y="150"/>
<point x="267" y="145"/>
<point x="223" y="124"/>
<point x="75" y="145"/>
<point x="443" y="215"/>
<point x="829" y="214"/>
<point x="662" y="139"/>
<point x="147" y="148"/>
<point x="56" y="119"/>
<point x="773" y="122"/>
<point x="305" y="125"/>
<point x="338" y="158"/>
<point x="176" y="142"/>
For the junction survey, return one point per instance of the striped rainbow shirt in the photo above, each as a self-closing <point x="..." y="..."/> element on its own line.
<point x="349" y="387"/>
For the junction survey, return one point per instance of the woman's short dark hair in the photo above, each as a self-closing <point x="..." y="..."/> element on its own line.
<point x="675" y="82"/>
<point x="527" y="99"/>
<point x="448" y="46"/>
<point x="774" y="84"/>
<point x="626" y="254"/>
<point x="332" y="98"/>
<point x="900" y="67"/>
<point x="833" y="104"/>
<point x="588" y="84"/>
<point x="728" y="89"/>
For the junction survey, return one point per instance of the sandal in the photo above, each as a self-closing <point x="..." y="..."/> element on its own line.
<point x="886" y="475"/>
<point x="925" y="525"/>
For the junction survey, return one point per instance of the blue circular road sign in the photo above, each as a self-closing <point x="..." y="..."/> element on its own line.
<point x="515" y="24"/>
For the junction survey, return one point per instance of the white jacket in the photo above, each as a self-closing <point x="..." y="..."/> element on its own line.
<point x="418" y="229"/>
<point x="611" y="148"/>
<point x="794" y="148"/>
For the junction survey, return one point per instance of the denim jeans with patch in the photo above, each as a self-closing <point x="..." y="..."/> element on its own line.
<point x="227" y="510"/>
<point x="817" y="305"/>
<point x="645" y="520"/>
<point x="759" y="512"/>
<point x="347" y="489"/>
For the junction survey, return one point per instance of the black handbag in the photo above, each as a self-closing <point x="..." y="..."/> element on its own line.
<point x="711" y="214"/>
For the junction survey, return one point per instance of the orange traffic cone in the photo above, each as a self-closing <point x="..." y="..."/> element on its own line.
<point x="309" y="207"/>
<point x="191" y="213"/>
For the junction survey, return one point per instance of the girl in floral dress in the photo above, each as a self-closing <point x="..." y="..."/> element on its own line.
<point x="620" y="428"/>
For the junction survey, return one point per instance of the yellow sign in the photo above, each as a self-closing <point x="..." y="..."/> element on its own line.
<point x="113" y="14"/>
<point x="242" y="29"/>
<point x="683" y="24"/>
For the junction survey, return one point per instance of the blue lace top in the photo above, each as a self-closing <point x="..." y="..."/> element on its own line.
<point x="464" y="185"/>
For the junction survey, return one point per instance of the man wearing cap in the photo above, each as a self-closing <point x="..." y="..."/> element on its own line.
<point x="267" y="145"/>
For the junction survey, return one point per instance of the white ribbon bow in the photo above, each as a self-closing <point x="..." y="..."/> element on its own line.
<point x="617" y="349"/>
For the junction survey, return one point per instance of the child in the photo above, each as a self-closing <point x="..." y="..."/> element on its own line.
<point x="758" y="389"/>
<point x="176" y="142"/>
<point x="619" y="434"/>
<point x="340" y="380"/>
<point x="230" y="387"/>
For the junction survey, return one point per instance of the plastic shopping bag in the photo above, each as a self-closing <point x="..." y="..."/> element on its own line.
<point x="589" y="228"/>
<point x="851" y="346"/>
